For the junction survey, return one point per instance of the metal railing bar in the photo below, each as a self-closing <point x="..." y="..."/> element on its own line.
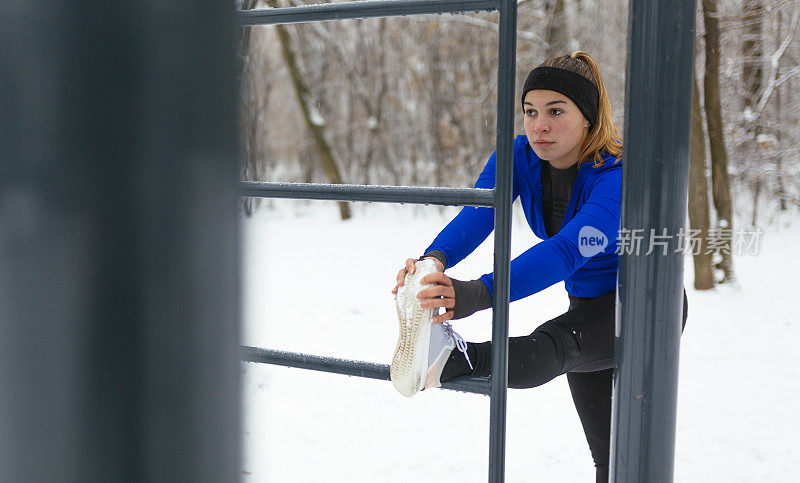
<point x="360" y="9"/>
<point x="370" y="370"/>
<point x="382" y="194"/>
<point x="502" y="239"/>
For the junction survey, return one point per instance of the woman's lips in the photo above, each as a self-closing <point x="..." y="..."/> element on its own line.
<point x="543" y="143"/>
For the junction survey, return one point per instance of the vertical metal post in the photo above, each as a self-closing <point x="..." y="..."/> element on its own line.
<point x="650" y="287"/>
<point x="118" y="242"/>
<point x="502" y="236"/>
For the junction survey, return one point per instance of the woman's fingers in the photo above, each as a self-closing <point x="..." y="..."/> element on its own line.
<point x="442" y="285"/>
<point x="443" y="317"/>
<point x="437" y="262"/>
<point x="438" y="277"/>
<point x="447" y="303"/>
<point x="437" y="291"/>
<point x="440" y="295"/>
<point x="401" y="275"/>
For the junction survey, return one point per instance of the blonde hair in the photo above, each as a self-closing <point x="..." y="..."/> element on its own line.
<point x="603" y="137"/>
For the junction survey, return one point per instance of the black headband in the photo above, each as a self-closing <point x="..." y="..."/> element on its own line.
<point x="578" y="88"/>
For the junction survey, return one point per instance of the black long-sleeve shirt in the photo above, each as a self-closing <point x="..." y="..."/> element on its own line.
<point x="472" y="296"/>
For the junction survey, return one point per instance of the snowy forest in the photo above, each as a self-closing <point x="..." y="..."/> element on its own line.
<point x="412" y="101"/>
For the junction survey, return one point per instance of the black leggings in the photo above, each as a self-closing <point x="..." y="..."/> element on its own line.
<point x="579" y="343"/>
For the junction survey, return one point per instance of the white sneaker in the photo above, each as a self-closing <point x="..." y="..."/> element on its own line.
<point x="423" y="346"/>
<point x="443" y="340"/>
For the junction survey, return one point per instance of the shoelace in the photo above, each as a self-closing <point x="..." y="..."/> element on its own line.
<point x="461" y="344"/>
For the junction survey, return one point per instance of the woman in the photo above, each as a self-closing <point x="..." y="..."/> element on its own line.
<point x="567" y="173"/>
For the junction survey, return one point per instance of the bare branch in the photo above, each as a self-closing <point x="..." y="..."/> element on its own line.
<point x="774" y="59"/>
<point x="476" y="22"/>
<point x="787" y="76"/>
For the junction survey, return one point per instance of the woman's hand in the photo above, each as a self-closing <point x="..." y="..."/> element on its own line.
<point x="440" y="295"/>
<point x="410" y="267"/>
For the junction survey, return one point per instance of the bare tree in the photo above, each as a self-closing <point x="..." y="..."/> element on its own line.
<point x="781" y="189"/>
<point x="752" y="78"/>
<point x="254" y="94"/>
<point x="699" y="218"/>
<point x="313" y="119"/>
<point x="412" y="100"/>
<point x="719" y="154"/>
<point x="557" y="31"/>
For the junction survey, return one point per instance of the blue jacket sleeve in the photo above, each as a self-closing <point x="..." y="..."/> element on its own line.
<point x="472" y="224"/>
<point x="551" y="261"/>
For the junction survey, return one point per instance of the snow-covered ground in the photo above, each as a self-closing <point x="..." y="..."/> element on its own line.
<point x="315" y="284"/>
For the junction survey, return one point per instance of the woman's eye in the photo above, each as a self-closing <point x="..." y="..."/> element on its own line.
<point x="530" y="112"/>
<point x="556" y="112"/>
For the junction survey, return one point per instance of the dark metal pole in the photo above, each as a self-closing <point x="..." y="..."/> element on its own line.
<point x="380" y="194"/>
<point x="655" y="186"/>
<point x="360" y="9"/>
<point x="369" y="370"/>
<point x="502" y="237"/>
<point x="118" y="242"/>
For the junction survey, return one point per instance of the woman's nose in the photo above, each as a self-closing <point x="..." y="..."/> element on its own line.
<point x="540" y="126"/>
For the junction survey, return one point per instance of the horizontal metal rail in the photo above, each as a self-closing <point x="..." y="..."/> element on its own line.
<point x="369" y="370"/>
<point x="382" y="194"/>
<point x="349" y="10"/>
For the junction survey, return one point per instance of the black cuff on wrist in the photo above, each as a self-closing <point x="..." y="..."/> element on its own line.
<point x="470" y="297"/>
<point x="437" y="254"/>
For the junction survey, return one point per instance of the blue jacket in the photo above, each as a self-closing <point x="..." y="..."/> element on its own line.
<point x="582" y="253"/>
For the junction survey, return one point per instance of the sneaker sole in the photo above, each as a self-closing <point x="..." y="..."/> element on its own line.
<point x="410" y="362"/>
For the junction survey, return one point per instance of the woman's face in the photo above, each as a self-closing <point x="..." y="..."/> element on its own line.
<point x="555" y="127"/>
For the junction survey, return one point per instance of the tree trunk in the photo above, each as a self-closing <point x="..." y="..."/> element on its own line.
<point x="557" y="34"/>
<point x="781" y="191"/>
<point x="249" y="166"/>
<point x="719" y="156"/>
<point x="752" y="51"/>
<point x="781" y="194"/>
<point x="698" y="197"/>
<point x="435" y="114"/>
<point x="375" y="108"/>
<point x="752" y="78"/>
<point x="244" y="39"/>
<point x="311" y="115"/>
<point x="756" y="195"/>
